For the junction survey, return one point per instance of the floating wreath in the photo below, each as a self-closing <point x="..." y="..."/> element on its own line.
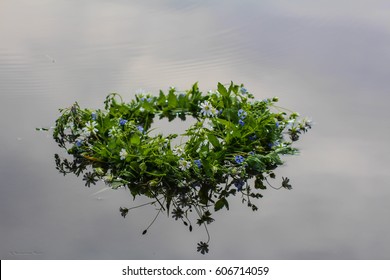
<point x="232" y="148"/>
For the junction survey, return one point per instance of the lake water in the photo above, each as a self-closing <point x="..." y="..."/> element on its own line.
<point x="329" y="60"/>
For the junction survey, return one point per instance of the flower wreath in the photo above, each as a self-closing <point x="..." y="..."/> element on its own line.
<point x="234" y="139"/>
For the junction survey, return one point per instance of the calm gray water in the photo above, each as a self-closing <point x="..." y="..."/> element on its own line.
<point x="329" y="60"/>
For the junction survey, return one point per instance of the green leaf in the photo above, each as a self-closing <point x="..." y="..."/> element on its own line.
<point x="213" y="140"/>
<point x="220" y="204"/>
<point x="236" y="133"/>
<point x="112" y="144"/>
<point x="255" y="163"/>
<point x="135" y="139"/>
<point x="161" y="99"/>
<point x="195" y="87"/>
<point x="156" y="173"/>
<point x="225" y="122"/>
<point x="143" y="167"/>
<point x="222" y="90"/>
<point x="172" y="101"/>
<point x="116" y="184"/>
<point x="234" y="87"/>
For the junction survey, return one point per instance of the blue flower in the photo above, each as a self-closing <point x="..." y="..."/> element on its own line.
<point x="241" y="114"/>
<point x="273" y="144"/>
<point x="243" y="90"/>
<point x="79" y="143"/>
<point x="93" y="115"/>
<point x="239" y="159"/>
<point x="198" y="163"/>
<point x="122" y="121"/>
<point x="140" y="128"/>
<point x="252" y="137"/>
<point x="277" y="124"/>
<point x="239" y="184"/>
<point x="241" y="122"/>
<point x="252" y="153"/>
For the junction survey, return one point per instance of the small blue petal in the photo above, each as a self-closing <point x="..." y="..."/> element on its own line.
<point x="239" y="184"/>
<point x="241" y="114"/>
<point x="241" y="122"/>
<point x="122" y="121"/>
<point x="252" y="137"/>
<point x="140" y="128"/>
<point x="79" y="143"/>
<point x="198" y="163"/>
<point x="239" y="159"/>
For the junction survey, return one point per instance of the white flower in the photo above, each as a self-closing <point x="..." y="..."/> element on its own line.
<point x="90" y="127"/>
<point x="123" y="154"/>
<point x="166" y="142"/>
<point x="207" y="109"/>
<point x="184" y="164"/>
<point x="178" y="151"/>
<point x="113" y="132"/>
<point x="70" y="125"/>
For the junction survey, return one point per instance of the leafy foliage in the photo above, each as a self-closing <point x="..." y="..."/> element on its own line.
<point x="235" y="139"/>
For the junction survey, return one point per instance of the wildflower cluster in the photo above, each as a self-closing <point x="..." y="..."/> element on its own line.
<point x="233" y="148"/>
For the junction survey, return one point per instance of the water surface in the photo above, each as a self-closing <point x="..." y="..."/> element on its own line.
<point x="329" y="60"/>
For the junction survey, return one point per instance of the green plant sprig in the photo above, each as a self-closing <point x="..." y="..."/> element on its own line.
<point x="234" y="140"/>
